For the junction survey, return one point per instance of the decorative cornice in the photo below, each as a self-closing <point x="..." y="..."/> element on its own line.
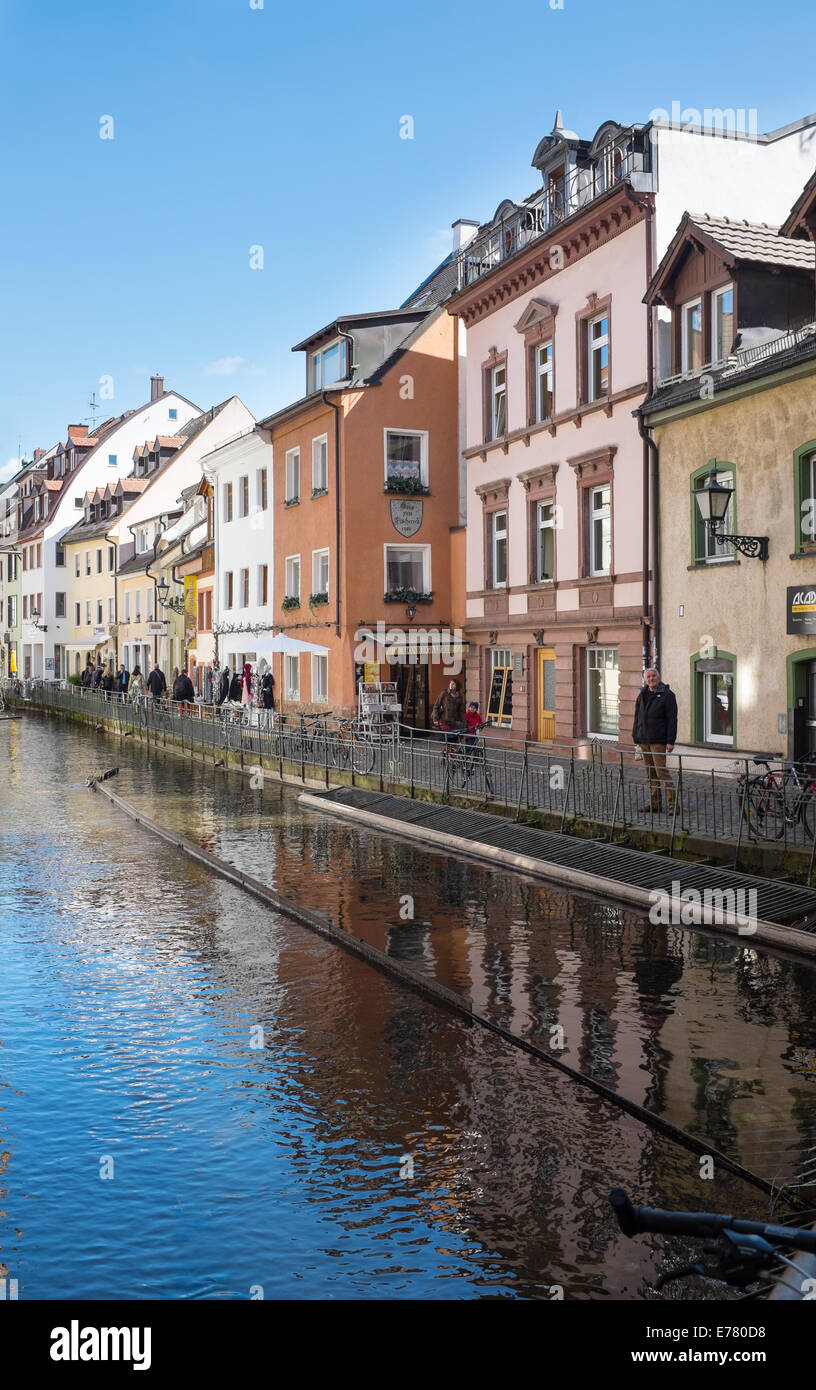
<point x="594" y="460"/>
<point x="538" y="311"/>
<point x="545" y="473"/>
<point x="494" y="492"/>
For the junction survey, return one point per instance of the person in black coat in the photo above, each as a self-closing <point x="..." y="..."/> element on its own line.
<point x="183" y="691"/>
<point x="235" y="688"/>
<point x="223" y="686"/>
<point x="156" y="682"/>
<point x="268" y="690"/>
<point x="655" y="730"/>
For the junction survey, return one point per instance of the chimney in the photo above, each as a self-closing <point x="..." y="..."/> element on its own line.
<point x="156" y="387"/>
<point x="463" y="231"/>
<point x="80" y="430"/>
<point x="38" y="453"/>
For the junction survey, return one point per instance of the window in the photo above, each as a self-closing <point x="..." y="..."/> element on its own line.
<point x="292" y="477"/>
<point x="498" y="402"/>
<point x="172" y="413"/>
<point x="320" y="572"/>
<point x="598" y="357"/>
<point x="263" y="585"/>
<point x="603" y="681"/>
<point x="60" y="602"/>
<point x="77" y="563"/>
<point x="137" y="604"/>
<point x="11" y="610"/>
<point x="77" y="614"/>
<point x="127" y="606"/>
<point x="111" y="559"/>
<point x="722" y="323"/>
<point x="545" y="542"/>
<point x="327" y="365"/>
<point x="244" y="588"/>
<point x="87" y="612"/>
<point x="87" y="561"/>
<point x="692" y="351"/>
<point x="544" y="381"/>
<point x="262" y="497"/>
<point x="293" y="577"/>
<point x="320" y="465"/>
<point x="25" y="606"/>
<point x="112" y="460"/>
<point x="99" y="612"/>
<point x="149" y="593"/>
<point x="500" y="691"/>
<point x="228" y="501"/>
<point x="320" y="679"/>
<point x="291" y="673"/>
<point x="228" y="589"/>
<point x="706" y="548"/>
<point x="99" y="561"/>
<point x="111" y="609"/>
<point x="406" y="458"/>
<point x="39" y="554"/>
<point x="600" y="529"/>
<point x="498" y="550"/>
<point x="407" y="569"/>
<point x="59" y="559"/>
<point x="718" y="707"/>
<point x="243" y="495"/>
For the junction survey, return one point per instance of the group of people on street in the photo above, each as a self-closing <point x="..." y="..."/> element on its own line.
<point x="451" y="718"/>
<point x="135" y="684"/>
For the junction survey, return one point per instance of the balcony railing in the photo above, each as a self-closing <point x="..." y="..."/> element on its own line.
<point x="625" y="161"/>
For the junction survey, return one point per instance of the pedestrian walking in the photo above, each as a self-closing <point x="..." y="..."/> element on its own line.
<point x="156" y="683"/>
<point x="136" y="688"/>
<point x="448" y="712"/>
<point x="87" y="675"/>
<point x="655" y="731"/>
<point x="122" y="680"/>
<point x="183" y="691"/>
<point x="108" y="680"/>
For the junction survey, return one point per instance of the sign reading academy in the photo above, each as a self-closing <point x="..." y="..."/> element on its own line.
<point x="406" y="514"/>
<point x="801" y="610"/>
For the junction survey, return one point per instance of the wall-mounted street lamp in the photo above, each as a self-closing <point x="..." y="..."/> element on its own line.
<point x="162" y="592"/>
<point x="713" y="499"/>
<point x="35" y="618"/>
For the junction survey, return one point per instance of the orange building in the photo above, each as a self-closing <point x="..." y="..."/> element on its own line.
<point x="366" y="499"/>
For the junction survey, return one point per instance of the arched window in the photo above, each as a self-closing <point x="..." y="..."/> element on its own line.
<point x="713" y="698"/>
<point x="706" y="549"/>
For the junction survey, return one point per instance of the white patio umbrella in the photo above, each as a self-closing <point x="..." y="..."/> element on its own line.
<point x="287" y="646"/>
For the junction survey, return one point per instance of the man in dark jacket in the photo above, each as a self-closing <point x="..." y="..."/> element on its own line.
<point x="655" y="729"/>
<point x="183" y="692"/>
<point x="122" y="680"/>
<point x="87" y="674"/>
<point x="156" y="683"/>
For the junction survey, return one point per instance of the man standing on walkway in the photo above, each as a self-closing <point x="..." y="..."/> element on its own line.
<point x="655" y="729"/>
<point x="156" y="683"/>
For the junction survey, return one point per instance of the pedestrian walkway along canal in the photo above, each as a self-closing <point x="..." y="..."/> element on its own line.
<point x="279" y="1115"/>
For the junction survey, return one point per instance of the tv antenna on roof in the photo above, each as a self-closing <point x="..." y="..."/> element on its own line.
<point x="94" y="408"/>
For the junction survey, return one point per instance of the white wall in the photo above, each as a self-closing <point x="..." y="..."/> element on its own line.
<point x="243" y="543"/>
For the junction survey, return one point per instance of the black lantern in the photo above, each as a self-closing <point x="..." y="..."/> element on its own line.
<point x="713" y="500"/>
<point x="162" y="590"/>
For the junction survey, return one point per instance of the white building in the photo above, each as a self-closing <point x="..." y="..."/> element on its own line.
<point x="81" y="463"/>
<point x="244" y="607"/>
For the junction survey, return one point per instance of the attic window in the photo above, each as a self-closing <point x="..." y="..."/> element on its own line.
<point x="112" y="460"/>
<point x="327" y="365"/>
<point x="173" y="414"/>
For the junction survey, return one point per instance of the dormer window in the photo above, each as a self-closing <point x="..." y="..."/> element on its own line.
<point x="557" y="190"/>
<point x="327" y="365"/>
<point x="722" y="322"/>
<point x="691" y="336"/>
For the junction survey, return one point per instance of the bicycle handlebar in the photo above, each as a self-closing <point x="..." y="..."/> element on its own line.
<point x="634" y="1221"/>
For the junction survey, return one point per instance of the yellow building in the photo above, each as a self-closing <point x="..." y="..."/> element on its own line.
<point x="90" y="571"/>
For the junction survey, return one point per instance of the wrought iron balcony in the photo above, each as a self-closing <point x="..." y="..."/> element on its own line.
<point x="626" y="160"/>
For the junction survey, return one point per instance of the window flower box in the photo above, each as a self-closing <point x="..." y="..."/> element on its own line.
<point x="320" y="492"/>
<point x="407" y="596"/>
<point x="291" y="501"/>
<point x="408" y="486"/>
<point x="315" y="599"/>
<point x="291" y="601"/>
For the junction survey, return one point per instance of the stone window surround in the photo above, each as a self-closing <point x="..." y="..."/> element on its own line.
<point x="494" y="359"/>
<point x="539" y="484"/>
<point x="594" y="469"/>
<point x="595" y="307"/>
<point x="537" y="325"/>
<point x="495" y="498"/>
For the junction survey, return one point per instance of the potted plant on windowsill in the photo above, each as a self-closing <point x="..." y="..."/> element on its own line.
<point x="407" y="596"/>
<point x="407" y="485"/>
<point x="291" y="501"/>
<point x="291" y="601"/>
<point x="319" y="492"/>
<point x="315" y="599"/>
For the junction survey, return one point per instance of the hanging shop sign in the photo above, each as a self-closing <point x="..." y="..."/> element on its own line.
<point x="157" y="629"/>
<point x="406" y="514"/>
<point x="801" y="610"/>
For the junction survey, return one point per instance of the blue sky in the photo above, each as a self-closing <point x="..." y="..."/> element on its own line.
<point x="280" y="127"/>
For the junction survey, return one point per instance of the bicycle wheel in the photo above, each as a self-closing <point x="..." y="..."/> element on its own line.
<point x="339" y="752"/>
<point x="362" y="755"/>
<point x="459" y="769"/>
<point x="766" y="809"/>
<point x="805" y="809"/>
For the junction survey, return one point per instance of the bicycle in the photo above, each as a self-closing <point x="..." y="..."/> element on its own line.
<point x="744" y="1251"/>
<point x="775" y="801"/>
<point x="469" y="759"/>
<point x="350" y="744"/>
<point x="308" y="741"/>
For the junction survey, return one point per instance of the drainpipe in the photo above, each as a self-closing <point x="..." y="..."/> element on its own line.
<point x="650" y="458"/>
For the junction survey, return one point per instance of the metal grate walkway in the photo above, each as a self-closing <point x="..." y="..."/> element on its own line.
<point x="787" y="904"/>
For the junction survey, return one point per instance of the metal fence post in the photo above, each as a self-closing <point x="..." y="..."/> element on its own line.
<point x="566" y="794"/>
<point x="618" y="789"/>
<point x="742" y="811"/>
<point x="678" y="802"/>
<point x="522" y="783"/>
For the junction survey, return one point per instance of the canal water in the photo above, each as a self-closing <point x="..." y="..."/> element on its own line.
<point x="201" y="1099"/>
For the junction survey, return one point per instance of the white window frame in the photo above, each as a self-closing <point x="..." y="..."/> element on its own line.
<point x="317" y="557"/>
<point x="726" y="740"/>
<point x="77" y="564"/>
<point x="229" y="590"/>
<point x="127" y="605"/>
<point x="498" y="392"/>
<point x="289" y="570"/>
<point x="596" y="345"/>
<point x="88" y="612"/>
<point x="427" y="586"/>
<point x="594" y="733"/>
<point x="544" y="370"/>
<point x="320" y="470"/>
<point x="291" y="664"/>
<point x="111" y="609"/>
<point x="262" y="489"/>
<point x="243" y="495"/>
<point x="263" y="599"/>
<point x="149" y="605"/>
<point x="292" y="464"/>
<point x="243" y="584"/>
<point x="77" y="614"/>
<point x="541" y="526"/>
<point x="603" y="513"/>
<point x="227" y="498"/>
<point x="495" y="537"/>
<point x="316" y="373"/>
<point x="321" y="698"/>
<point x="686" y="364"/>
<point x="422" y="435"/>
<point x="716" y="296"/>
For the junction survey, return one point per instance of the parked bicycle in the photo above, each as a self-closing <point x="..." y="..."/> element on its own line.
<point x="743" y="1253"/>
<point x="307" y="745"/>
<point x="778" y="801"/>
<point x="466" y="759"/>
<point x="350" y="744"/>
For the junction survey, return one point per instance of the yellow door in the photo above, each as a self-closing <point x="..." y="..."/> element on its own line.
<point x="545" y="671"/>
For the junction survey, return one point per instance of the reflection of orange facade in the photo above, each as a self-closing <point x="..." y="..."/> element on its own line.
<point x="337" y="529"/>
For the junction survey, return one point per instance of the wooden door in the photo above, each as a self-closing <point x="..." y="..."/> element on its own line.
<point x="545" y="683"/>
